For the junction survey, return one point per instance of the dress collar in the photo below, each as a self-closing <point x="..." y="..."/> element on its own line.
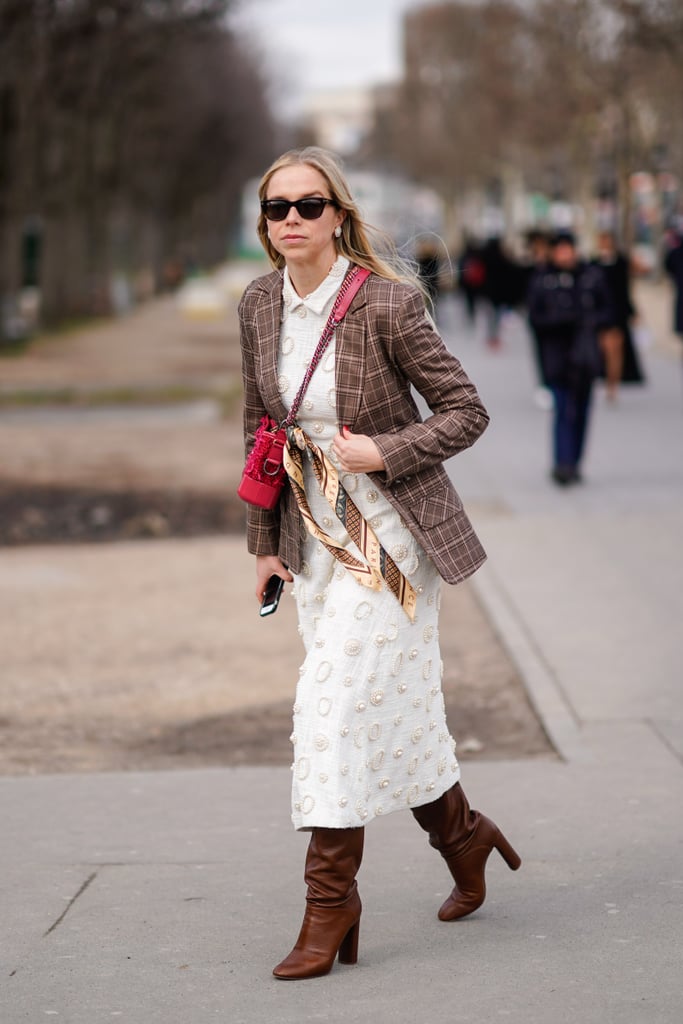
<point x="317" y="300"/>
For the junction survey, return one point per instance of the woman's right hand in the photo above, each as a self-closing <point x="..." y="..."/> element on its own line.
<point x="267" y="566"/>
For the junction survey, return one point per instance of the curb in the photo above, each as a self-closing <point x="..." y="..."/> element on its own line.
<point x="545" y="694"/>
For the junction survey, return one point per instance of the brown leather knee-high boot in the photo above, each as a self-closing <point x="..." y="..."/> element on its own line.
<point x="332" y="918"/>
<point x="464" y="838"/>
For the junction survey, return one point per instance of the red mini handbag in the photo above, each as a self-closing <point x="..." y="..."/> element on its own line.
<point x="264" y="475"/>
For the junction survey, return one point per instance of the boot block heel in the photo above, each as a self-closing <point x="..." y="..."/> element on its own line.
<point x="509" y="855"/>
<point x="348" y="950"/>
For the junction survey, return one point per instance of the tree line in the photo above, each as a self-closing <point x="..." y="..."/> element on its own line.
<point x="127" y="128"/>
<point x="573" y="97"/>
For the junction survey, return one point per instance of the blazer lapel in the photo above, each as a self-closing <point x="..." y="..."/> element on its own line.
<point x="350" y="360"/>
<point x="269" y="346"/>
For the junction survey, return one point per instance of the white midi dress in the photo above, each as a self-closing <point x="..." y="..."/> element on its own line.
<point x="369" y="726"/>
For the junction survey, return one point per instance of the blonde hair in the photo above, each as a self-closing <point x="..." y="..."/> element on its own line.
<point x="355" y="240"/>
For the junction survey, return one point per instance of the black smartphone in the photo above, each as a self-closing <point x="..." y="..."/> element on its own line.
<point x="271" y="595"/>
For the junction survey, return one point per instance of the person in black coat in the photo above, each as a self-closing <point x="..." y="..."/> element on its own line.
<point x="471" y="276"/>
<point x="428" y="269"/>
<point x="501" y="286"/>
<point x="620" y="356"/>
<point x="536" y="262"/>
<point x="569" y="304"/>
<point x="674" y="268"/>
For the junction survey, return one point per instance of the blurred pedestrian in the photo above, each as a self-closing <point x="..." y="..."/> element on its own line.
<point x="569" y="305"/>
<point x="674" y="267"/>
<point x="367" y="526"/>
<point x="500" y="288"/>
<point x="429" y="269"/>
<point x="621" y="361"/>
<point x="535" y="261"/>
<point x="471" y="276"/>
<point x="537" y="249"/>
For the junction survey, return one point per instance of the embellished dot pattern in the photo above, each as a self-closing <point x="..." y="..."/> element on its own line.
<point x="411" y="565"/>
<point x="324" y="671"/>
<point x="370" y="734"/>
<point x="350" y="482"/>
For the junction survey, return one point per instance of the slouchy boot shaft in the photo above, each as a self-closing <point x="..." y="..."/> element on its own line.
<point x="333" y="906"/>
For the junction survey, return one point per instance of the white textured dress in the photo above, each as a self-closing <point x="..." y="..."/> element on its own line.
<point x="370" y="733"/>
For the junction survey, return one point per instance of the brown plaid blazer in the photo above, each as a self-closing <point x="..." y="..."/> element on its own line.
<point x="384" y="344"/>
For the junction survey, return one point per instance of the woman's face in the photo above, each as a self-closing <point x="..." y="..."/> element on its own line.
<point x="564" y="255"/>
<point x="299" y="241"/>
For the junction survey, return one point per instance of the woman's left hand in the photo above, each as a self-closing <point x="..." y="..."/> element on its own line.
<point x="357" y="453"/>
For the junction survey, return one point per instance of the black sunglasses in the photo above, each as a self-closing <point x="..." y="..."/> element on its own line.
<point x="308" y="209"/>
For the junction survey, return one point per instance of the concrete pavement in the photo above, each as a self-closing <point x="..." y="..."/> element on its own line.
<point x="169" y="896"/>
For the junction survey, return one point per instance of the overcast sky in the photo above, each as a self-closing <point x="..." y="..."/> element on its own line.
<point x="325" y="44"/>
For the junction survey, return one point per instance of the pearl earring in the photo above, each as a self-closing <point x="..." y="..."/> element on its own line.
<point x="337" y="231"/>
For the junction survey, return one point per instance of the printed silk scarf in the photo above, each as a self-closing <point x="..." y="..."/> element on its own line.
<point x="378" y="566"/>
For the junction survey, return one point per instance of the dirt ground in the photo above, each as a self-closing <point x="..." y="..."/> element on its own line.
<point x="147" y="651"/>
<point x="151" y="654"/>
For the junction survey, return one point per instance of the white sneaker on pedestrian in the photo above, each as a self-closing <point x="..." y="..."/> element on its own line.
<point x="543" y="399"/>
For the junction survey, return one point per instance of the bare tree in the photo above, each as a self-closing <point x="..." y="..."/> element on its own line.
<point x="570" y="96"/>
<point x="459" y="104"/>
<point x="126" y="130"/>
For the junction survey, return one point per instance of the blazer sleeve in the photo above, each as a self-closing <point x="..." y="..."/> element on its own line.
<point x="458" y="414"/>
<point x="263" y="525"/>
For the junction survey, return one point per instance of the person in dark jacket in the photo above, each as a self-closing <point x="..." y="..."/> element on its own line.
<point x="620" y="356"/>
<point x="501" y="286"/>
<point x="428" y="270"/>
<point x="569" y="305"/>
<point x="674" y="268"/>
<point x="536" y="262"/>
<point x="471" y="276"/>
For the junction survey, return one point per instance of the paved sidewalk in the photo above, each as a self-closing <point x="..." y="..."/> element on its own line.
<point x="167" y="897"/>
